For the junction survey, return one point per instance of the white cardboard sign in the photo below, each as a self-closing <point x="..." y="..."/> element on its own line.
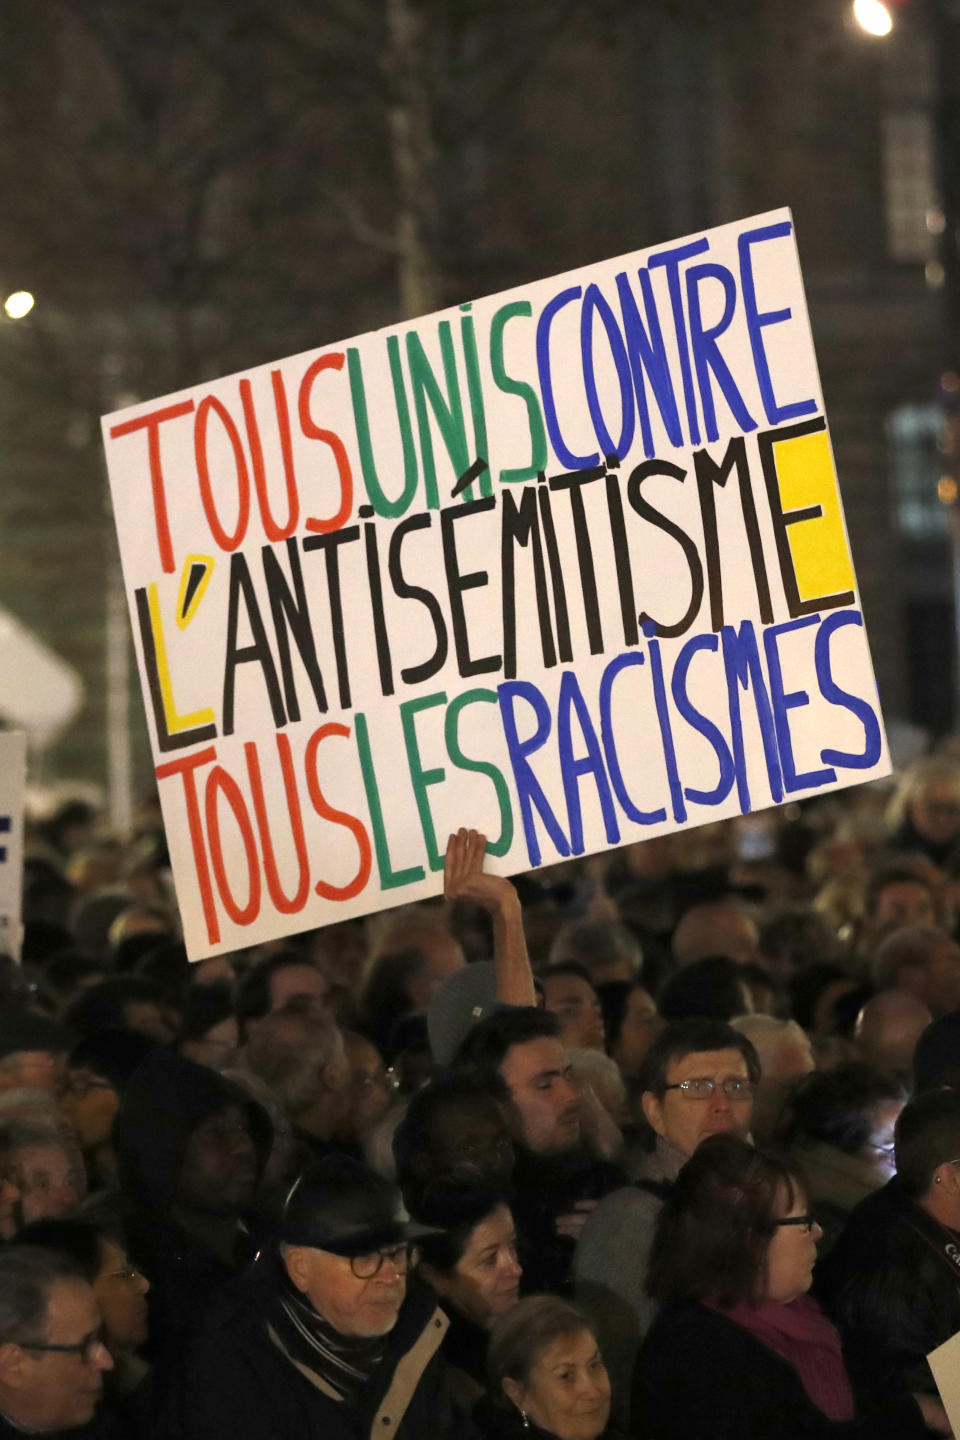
<point x="567" y="564"/>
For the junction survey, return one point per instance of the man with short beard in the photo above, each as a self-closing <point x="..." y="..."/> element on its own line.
<point x="322" y="1336"/>
<point x="518" y="1056"/>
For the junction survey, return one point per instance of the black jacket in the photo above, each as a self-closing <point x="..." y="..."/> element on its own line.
<point x="700" y="1374"/>
<point x="887" y="1287"/>
<point x="166" y="1099"/>
<point x="546" y="1186"/>
<point x="237" y="1384"/>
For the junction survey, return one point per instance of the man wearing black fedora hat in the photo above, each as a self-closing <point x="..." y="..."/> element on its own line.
<point x="322" y="1336"/>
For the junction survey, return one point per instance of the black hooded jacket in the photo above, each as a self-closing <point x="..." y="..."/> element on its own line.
<point x="166" y="1099"/>
<point x="890" y="1286"/>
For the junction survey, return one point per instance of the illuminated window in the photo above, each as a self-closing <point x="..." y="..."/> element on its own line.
<point x="913" y="433"/>
<point x="910" y="192"/>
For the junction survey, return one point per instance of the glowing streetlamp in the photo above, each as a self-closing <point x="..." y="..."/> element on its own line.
<point x="19" y="304"/>
<point x="873" y="16"/>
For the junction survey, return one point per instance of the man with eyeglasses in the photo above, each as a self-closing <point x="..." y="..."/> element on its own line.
<point x="697" y="1080"/>
<point x="52" y="1355"/>
<point x="324" y="1336"/>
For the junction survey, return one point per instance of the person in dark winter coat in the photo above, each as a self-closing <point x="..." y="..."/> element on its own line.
<point x="190" y="1150"/>
<point x="558" y="1178"/>
<point x="739" y="1348"/>
<point x="892" y="1281"/>
<point x="322" y="1336"/>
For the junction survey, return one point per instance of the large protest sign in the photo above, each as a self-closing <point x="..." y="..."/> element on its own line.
<point x="567" y="564"/>
<point x="13" y="784"/>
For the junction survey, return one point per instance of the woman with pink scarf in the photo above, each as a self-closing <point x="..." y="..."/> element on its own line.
<point x="739" y="1349"/>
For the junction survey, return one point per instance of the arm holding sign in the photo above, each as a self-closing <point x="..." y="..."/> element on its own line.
<point x="464" y="879"/>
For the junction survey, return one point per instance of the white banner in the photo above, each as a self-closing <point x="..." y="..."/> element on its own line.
<point x="567" y="564"/>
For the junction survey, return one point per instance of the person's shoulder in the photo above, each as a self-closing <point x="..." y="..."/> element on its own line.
<point x="686" y="1327"/>
<point x="627" y="1201"/>
<point x="237" y="1311"/>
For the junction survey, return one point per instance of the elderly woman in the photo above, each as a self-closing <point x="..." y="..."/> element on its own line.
<point x="547" y="1376"/>
<point x="471" y="1262"/>
<point x="739" y="1348"/>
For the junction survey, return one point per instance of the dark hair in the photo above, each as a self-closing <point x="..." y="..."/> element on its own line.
<point x="519" y="1337"/>
<point x="614" y="997"/>
<point x="713" y="987"/>
<point x="713" y="1231"/>
<point x="833" y="1106"/>
<point x="386" y="998"/>
<point x="166" y="965"/>
<point x="690" y="1037"/>
<point x="896" y="873"/>
<point x="566" y="967"/>
<point x="80" y="1239"/>
<point x="133" y="951"/>
<point x="64" y="972"/>
<point x="112" y="1054"/>
<point x="103" y="1006"/>
<point x="486" y="1046"/>
<point x="806" y="987"/>
<point x="253" y="992"/>
<point x="26" y="1275"/>
<point x="927" y="1135"/>
<point x="203" y="1007"/>
<point x="936" y="1059"/>
<point x="456" y="1213"/>
<point x="801" y="937"/>
<point x="412" y="1139"/>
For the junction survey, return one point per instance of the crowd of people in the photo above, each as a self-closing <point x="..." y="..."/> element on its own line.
<point x="659" y="1143"/>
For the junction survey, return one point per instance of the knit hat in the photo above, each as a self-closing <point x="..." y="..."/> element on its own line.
<point x="465" y="998"/>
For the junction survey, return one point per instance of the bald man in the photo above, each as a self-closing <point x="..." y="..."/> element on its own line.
<point x="888" y="1028"/>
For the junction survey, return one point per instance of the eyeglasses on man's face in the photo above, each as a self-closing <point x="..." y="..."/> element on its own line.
<point x="401" y="1257"/>
<point x="88" y="1349"/>
<point x="703" y="1088"/>
<point x="806" y="1222"/>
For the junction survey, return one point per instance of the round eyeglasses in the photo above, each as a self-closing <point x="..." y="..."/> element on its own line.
<point x="401" y="1257"/>
<point x="702" y="1088"/>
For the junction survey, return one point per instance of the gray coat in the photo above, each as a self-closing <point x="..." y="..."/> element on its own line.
<point x="610" y="1271"/>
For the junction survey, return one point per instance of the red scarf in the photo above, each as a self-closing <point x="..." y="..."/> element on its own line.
<point x="802" y="1335"/>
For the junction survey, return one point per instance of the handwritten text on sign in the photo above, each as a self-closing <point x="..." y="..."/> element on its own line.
<point x="567" y="564"/>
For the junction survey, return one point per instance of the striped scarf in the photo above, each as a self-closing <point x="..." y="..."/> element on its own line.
<point x="344" y="1362"/>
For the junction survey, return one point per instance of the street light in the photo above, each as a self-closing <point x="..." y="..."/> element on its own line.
<point x="19" y="304"/>
<point x="873" y="16"/>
